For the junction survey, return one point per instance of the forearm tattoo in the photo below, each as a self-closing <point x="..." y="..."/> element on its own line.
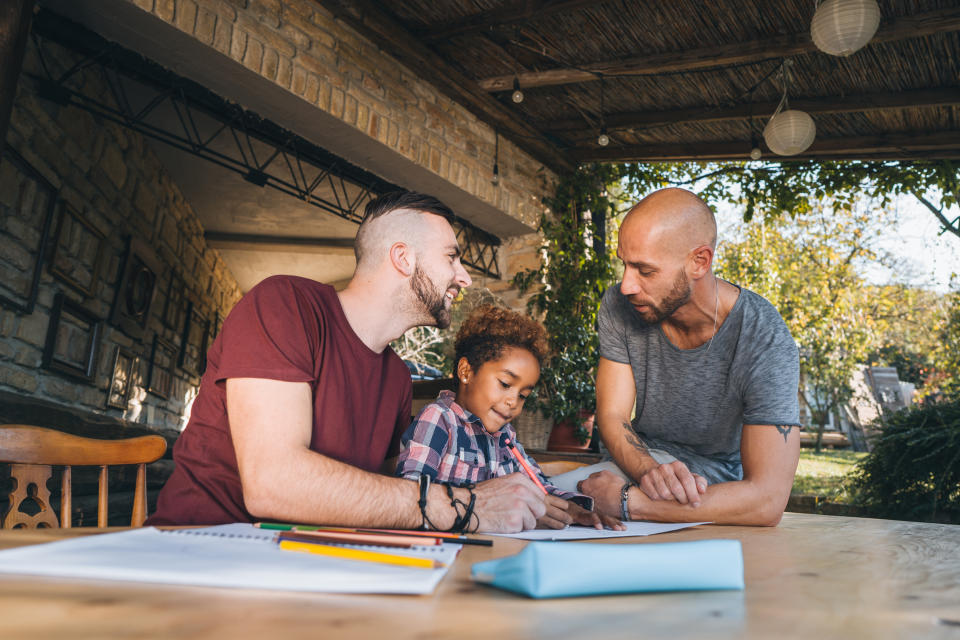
<point x="784" y="430"/>
<point x="634" y="439"/>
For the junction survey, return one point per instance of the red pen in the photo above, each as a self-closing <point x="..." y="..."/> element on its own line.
<point x="523" y="463"/>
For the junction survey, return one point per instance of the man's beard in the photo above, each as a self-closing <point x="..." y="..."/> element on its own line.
<point x="677" y="297"/>
<point x="433" y="301"/>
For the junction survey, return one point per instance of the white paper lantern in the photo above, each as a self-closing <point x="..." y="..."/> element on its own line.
<point x="790" y="132"/>
<point x="840" y="27"/>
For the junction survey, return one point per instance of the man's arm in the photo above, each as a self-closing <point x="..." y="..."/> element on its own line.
<point x="769" y="454"/>
<point x="282" y="479"/>
<point x="616" y="395"/>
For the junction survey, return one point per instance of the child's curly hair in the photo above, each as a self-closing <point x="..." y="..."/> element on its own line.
<point x="490" y="329"/>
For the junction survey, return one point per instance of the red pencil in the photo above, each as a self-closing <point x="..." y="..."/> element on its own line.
<point x="523" y="463"/>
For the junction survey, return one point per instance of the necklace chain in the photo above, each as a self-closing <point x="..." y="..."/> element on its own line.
<point x="716" y="309"/>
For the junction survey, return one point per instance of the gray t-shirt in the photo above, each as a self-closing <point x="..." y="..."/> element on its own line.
<point x="693" y="403"/>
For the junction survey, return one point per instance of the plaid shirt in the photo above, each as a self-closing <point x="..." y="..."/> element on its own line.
<point x="449" y="444"/>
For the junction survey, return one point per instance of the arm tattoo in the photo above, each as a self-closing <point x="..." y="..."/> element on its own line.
<point x="634" y="440"/>
<point x="784" y="430"/>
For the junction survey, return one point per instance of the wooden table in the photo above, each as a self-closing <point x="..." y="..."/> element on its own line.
<point x="811" y="577"/>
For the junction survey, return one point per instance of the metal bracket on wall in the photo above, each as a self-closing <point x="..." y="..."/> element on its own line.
<point x="155" y="102"/>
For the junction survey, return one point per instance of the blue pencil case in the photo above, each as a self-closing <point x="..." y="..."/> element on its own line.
<point x="561" y="569"/>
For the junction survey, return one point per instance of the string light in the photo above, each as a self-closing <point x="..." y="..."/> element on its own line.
<point x="517" y="95"/>
<point x="603" y="139"/>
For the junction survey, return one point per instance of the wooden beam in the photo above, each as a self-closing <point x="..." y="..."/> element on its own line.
<point x="943" y="97"/>
<point x="929" y="145"/>
<point x="916" y="26"/>
<point x="369" y="19"/>
<point x="15" y="18"/>
<point x="514" y="13"/>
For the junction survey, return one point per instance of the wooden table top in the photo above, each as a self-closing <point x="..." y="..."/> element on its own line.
<point x="811" y="577"/>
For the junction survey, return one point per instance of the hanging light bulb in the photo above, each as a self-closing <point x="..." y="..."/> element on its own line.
<point x="841" y="27"/>
<point x="517" y="95"/>
<point x="789" y="131"/>
<point x="495" y="180"/>
<point x="755" y="153"/>
<point x="603" y="139"/>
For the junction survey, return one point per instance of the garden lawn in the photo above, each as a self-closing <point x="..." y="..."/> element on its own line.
<point x="821" y="474"/>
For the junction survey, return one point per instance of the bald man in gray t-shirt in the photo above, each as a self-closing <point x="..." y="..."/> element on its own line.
<point x="711" y="371"/>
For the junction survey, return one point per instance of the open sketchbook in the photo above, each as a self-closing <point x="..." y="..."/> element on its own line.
<point x="232" y="555"/>
<point x="640" y="528"/>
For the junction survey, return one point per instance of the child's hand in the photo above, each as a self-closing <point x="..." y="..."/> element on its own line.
<point x="593" y="519"/>
<point x="557" y="515"/>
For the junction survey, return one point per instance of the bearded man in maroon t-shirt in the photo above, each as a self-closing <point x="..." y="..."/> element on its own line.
<point x="303" y="400"/>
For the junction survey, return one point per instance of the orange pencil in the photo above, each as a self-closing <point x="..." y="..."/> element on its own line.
<point x="523" y="463"/>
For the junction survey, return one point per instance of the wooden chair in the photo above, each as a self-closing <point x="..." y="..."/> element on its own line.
<point x="31" y="451"/>
<point x="557" y="467"/>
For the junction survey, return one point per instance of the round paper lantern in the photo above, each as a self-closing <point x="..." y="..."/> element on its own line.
<point x="790" y="132"/>
<point x="840" y="27"/>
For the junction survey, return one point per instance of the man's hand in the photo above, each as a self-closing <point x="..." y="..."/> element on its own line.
<point x="558" y="514"/>
<point x="604" y="487"/>
<point x="673" y="481"/>
<point x="509" y="504"/>
<point x="593" y="519"/>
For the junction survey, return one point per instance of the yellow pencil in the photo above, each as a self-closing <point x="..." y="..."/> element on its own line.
<point x="360" y="554"/>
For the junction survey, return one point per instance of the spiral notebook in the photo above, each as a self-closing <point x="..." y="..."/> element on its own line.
<point x="232" y="555"/>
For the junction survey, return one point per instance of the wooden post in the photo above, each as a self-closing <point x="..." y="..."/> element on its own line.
<point x="15" y="18"/>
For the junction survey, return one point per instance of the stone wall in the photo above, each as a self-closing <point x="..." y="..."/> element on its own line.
<point x="299" y="46"/>
<point x="117" y="189"/>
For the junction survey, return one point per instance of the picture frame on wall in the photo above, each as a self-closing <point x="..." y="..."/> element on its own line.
<point x="125" y="365"/>
<point x="163" y="358"/>
<point x="77" y="251"/>
<point x="73" y="339"/>
<point x="136" y="289"/>
<point x="193" y="347"/>
<point x="28" y="204"/>
<point x="175" y="305"/>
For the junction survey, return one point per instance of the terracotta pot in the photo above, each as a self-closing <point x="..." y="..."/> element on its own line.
<point x="563" y="437"/>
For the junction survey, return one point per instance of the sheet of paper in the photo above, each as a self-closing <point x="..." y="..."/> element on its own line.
<point x="639" y="528"/>
<point x="235" y="555"/>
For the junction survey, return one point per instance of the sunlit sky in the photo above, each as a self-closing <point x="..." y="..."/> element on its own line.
<point x="932" y="258"/>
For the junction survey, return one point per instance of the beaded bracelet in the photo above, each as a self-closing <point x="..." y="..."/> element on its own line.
<point x="624" y="496"/>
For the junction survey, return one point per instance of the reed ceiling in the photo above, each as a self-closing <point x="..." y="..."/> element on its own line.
<point x="683" y="79"/>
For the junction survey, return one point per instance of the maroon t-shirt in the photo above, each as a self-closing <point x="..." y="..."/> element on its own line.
<point x="292" y="329"/>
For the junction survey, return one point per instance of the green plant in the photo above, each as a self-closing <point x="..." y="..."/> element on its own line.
<point x="913" y="472"/>
<point x="577" y="267"/>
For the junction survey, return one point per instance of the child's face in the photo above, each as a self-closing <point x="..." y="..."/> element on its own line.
<point x="496" y="391"/>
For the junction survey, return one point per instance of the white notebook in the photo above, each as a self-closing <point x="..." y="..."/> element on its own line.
<point x="233" y="555"/>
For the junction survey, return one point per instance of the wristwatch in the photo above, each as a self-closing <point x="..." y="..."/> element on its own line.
<point x="624" y="496"/>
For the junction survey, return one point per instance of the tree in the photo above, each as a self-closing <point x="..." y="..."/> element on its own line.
<point x="568" y="286"/>
<point x="808" y="269"/>
<point x="791" y="187"/>
<point x="947" y="355"/>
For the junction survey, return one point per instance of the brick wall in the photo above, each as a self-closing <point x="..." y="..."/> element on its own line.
<point x="110" y="177"/>
<point x="300" y="47"/>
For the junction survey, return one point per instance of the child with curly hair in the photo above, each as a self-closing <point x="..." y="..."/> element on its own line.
<point x="465" y="438"/>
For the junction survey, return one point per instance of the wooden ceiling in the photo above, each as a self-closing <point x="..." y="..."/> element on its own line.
<point x="678" y="79"/>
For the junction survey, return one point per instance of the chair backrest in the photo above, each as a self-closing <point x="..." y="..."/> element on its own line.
<point x="32" y="451"/>
<point x="557" y="467"/>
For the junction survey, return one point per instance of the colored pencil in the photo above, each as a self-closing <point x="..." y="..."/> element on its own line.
<point x="344" y="537"/>
<point x="360" y="554"/>
<point x="523" y="463"/>
<point x="442" y="535"/>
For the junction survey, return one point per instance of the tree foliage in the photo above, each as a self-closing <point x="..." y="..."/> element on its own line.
<point x="790" y="188"/>
<point x="568" y="285"/>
